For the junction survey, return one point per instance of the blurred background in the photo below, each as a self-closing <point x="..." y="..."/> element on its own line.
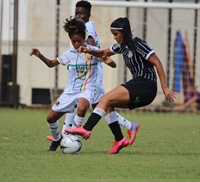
<point x="170" y="27"/>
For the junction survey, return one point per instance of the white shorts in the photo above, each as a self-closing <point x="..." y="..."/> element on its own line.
<point x="100" y="91"/>
<point x="67" y="102"/>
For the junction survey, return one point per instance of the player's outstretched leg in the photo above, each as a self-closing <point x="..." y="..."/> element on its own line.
<point x="79" y="130"/>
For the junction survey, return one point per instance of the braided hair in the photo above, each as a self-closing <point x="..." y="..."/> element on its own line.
<point x="73" y="26"/>
<point x="123" y="25"/>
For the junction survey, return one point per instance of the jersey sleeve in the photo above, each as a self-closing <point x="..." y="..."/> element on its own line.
<point x="116" y="48"/>
<point x="144" y="49"/>
<point x="63" y="59"/>
<point x="91" y="32"/>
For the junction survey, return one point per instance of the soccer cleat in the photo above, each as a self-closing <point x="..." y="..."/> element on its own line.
<point x="79" y="130"/>
<point x="50" y="138"/>
<point x="54" y="145"/>
<point x="132" y="132"/>
<point x="118" y="145"/>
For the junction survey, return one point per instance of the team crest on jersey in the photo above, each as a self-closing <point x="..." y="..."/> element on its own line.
<point x="81" y="71"/>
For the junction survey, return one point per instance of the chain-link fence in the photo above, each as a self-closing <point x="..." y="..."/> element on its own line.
<point x="27" y="81"/>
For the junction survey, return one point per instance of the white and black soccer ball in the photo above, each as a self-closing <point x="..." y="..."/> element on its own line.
<point x="70" y="144"/>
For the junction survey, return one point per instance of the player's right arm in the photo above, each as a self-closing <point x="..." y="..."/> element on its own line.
<point x="97" y="53"/>
<point x="107" y="60"/>
<point x="48" y="62"/>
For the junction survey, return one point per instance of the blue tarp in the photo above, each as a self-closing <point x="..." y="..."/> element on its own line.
<point x="178" y="58"/>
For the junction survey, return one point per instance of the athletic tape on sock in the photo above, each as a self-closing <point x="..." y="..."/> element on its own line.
<point x="100" y="112"/>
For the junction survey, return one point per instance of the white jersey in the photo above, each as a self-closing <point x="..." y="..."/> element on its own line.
<point x="90" y="31"/>
<point x="83" y="70"/>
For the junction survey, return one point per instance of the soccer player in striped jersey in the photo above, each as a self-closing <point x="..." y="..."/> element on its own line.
<point x="83" y="9"/>
<point x="82" y="78"/>
<point x="140" y="91"/>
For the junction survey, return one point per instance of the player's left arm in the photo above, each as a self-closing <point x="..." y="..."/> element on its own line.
<point x="159" y="68"/>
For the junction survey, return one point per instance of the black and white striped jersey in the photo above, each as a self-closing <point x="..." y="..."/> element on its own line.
<point x="137" y="59"/>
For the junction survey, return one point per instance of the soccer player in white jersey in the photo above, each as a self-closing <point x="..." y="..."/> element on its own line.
<point x="140" y="91"/>
<point x="83" y="9"/>
<point x="82" y="78"/>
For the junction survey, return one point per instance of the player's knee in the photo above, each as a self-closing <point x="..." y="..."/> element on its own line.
<point x="49" y="119"/>
<point x="82" y="109"/>
<point x="106" y="99"/>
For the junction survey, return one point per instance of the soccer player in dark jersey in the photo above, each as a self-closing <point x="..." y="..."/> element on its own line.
<point x="83" y="12"/>
<point x="140" y="91"/>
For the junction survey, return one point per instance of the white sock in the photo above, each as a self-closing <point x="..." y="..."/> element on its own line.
<point x="55" y="131"/>
<point x="123" y="122"/>
<point x="69" y="121"/>
<point x="78" y="121"/>
<point x="111" y="117"/>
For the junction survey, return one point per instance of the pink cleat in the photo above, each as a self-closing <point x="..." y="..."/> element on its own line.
<point x="118" y="145"/>
<point x="50" y="138"/>
<point x="79" y="130"/>
<point x="132" y="132"/>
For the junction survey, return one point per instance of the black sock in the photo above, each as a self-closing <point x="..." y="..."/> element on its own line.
<point x="116" y="130"/>
<point x="92" y="121"/>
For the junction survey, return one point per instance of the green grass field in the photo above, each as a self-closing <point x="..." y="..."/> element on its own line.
<point x="167" y="149"/>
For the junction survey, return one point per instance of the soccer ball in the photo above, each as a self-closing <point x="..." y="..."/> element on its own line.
<point x="70" y="144"/>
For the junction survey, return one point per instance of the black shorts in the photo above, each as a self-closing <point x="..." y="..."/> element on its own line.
<point x="142" y="92"/>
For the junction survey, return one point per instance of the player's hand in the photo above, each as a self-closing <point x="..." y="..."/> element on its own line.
<point x="35" y="52"/>
<point x="107" y="60"/>
<point x="82" y="49"/>
<point x="170" y="95"/>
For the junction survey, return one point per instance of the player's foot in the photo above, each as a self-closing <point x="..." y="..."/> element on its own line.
<point x="79" y="130"/>
<point x="54" y="145"/>
<point x="118" y="145"/>
<point x="132" y="132"/>
<point x="50" y="138"/>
